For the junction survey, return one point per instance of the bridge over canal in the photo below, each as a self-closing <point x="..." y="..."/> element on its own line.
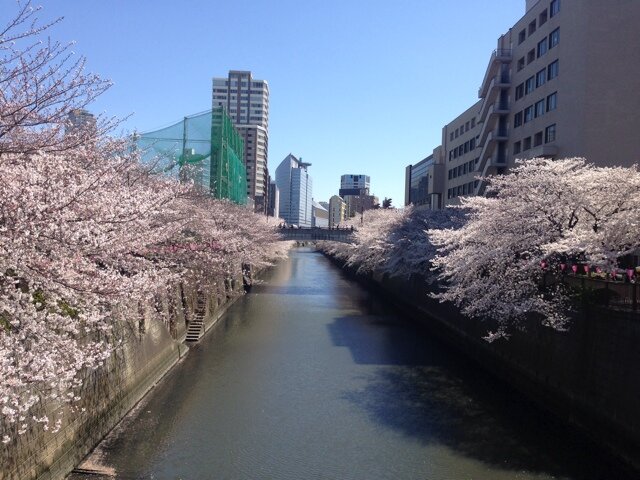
<point x="316" y="234"/>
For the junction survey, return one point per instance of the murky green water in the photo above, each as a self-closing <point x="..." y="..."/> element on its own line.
<point x="309" y="377"/>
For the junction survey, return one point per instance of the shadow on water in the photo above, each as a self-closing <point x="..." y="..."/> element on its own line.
<point x="436" y="397"/>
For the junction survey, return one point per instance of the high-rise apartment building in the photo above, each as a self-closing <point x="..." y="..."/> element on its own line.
<point x="562" y="82"/>
<point x="79" y="118"/>
<point x="295" y="185"/>
<point x="246" y="101"/>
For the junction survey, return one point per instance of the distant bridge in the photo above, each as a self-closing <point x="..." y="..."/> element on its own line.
<point x="316" y="234"/>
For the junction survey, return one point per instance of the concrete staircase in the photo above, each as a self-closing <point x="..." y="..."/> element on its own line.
<point x="195" y="330"/>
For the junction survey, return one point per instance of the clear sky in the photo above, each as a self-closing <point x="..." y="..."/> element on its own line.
<point x="357" y="86"/>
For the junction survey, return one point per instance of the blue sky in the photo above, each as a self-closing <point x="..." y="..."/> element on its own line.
<point x="356" y="86"/>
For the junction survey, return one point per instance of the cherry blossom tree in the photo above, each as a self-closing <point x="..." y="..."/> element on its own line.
<point x="41" y="81"/>
<point x="544" y="211"/>
<point x="394" y="241"/>
<point x="85" y="228"/>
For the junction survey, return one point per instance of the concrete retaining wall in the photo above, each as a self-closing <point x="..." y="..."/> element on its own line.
<point x="153" y="336"/>
<point x="587" y="376"/>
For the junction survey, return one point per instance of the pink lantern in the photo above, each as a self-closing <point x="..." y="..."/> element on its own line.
<point x="574" y="268"/>
<point x="586" y="269"/>
<point x="630" y="273"/>
<point x="598" y="270"/>
<point x="563" y="266"/>
<point x="543" y="264"/>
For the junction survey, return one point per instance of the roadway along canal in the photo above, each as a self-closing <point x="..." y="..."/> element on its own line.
<point x="310" y="377"/>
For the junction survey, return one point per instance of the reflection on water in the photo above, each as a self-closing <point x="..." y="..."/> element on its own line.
<point x="310" y="377"/>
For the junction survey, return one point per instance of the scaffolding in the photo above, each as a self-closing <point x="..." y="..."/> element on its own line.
<point x="205" y="148"/>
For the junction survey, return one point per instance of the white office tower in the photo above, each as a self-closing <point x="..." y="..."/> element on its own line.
<point x="294" y="183"/>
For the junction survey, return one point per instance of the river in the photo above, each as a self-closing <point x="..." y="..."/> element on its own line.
<point x="311" y="377"/>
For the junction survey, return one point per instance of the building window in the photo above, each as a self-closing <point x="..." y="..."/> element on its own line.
<point x="526" y="144"/>
<point x="517" y="120"/>
<point x="522" y="36"/>
<point x="541" y="77"/>
<point x="550" y="133"/>
<point x="450" y="173"/>
<point x="554" y="7"/>
<point x="464" y="168"/>
<point x="542" y="47"/>
<point x="529" y="85"/>
<point x="552" y="101"/>
<point x="532" y="27"/>
<point x="456" y="133"/>
<point x="451" y="136"/>
<point x="553" y="70"/>
<point x="516" y="148"/>
<point x="528" y="114"/>
<point x="531" y="56"/>
<point x="473" y="122"/>
<point x="542" y="19"/>
<point x="520" y="91"/>
<point x="466" y="127"/>
<point x="472" y="144"/>
<point x="537" y="139"/>
<point x="464" y="189"/>
<point x="554" y="38"/>
<point x="539" y="109"/>
<point x="520" y="63"/>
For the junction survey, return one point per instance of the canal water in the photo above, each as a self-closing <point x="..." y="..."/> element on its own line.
<point x="311" y="377"/>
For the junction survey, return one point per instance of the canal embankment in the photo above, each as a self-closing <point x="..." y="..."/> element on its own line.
<point x="585" y="376"/>
<point x="150" y="346"/>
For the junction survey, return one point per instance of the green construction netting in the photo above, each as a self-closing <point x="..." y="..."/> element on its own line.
<point x="205" y="148"/>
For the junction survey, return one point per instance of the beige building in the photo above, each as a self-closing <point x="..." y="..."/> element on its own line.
<point x="337" y="211"/>
<point x="562" y="82"/>
<point x="246" y="101"/>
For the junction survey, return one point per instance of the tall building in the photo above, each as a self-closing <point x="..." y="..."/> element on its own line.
<point x="79" y="119"/>
<point x="355" y="183"/>
<point x="562" y="82"/>
<point x="295" y="185"/>
<point x="354" y="190"/>
<point x="246" y="101"/>
<point x="337" y="211"/>
<point x="417" y="183"/>
<point x="273" y="208"/>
